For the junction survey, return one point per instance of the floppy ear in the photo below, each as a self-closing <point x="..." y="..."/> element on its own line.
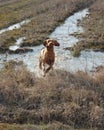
<point x="55" y="43"/>
<point x="45" y="42"/>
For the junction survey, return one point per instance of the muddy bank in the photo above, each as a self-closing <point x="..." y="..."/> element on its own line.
<point x="15" y="26"/>
<point x="16" y="48"/>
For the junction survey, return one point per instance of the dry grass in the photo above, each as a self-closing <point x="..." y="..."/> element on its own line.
<point x="93" y="36"/>
<point x="53" y="126"/>
<point x="73" y="99"/>
<point x="45" y="15"/>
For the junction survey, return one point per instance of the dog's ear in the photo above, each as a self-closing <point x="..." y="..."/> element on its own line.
<point x="55" y="43"/>
<point x="45" y="42"/>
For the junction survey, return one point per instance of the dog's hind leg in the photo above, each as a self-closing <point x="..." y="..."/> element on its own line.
<point x="46" y="71"/>
<point x="40" y="64"/>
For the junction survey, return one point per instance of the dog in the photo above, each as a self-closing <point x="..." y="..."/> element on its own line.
<point x="47" y="55"/>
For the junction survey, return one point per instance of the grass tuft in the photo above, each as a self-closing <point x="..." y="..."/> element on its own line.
<point x="72" y="99"/>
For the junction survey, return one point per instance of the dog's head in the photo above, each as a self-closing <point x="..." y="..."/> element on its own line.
<point x="50" y="43"/>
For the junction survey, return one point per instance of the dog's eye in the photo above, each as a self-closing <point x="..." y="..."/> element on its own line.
<point x="49" y="40"/>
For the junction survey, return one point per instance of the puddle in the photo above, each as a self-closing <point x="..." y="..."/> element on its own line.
<point x="64" y="60"/>
<point x="17" y="44"/>
<point x="87" y="60"/>
<point x="15" y="26"/>
<point x="20" y="40"/>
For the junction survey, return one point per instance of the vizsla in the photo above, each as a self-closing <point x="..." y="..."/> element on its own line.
<point x="47" y="55"/>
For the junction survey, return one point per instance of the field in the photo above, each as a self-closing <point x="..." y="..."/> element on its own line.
<point x="45" y="15"/>
<point x="62" y="100"/>
<point x="72" y="99"/>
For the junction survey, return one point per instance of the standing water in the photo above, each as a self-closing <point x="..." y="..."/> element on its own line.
<point x="88" y="60"/>
<point x="17" y="44"/>
<point x="64" y="59"/>
<point x="15" y="26"/>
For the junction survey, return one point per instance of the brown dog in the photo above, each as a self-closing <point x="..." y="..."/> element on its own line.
<point x="47" y="55"/>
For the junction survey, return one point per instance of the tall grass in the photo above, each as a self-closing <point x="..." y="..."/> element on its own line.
<point x="73" y="99"/>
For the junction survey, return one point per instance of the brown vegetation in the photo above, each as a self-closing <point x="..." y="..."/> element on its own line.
<point x="71" y="99"/>
<point x="75" y="100"/>
<point x="45" y="15"/>
<point x="53" y="126"/>
<point x="93" y="36"/>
